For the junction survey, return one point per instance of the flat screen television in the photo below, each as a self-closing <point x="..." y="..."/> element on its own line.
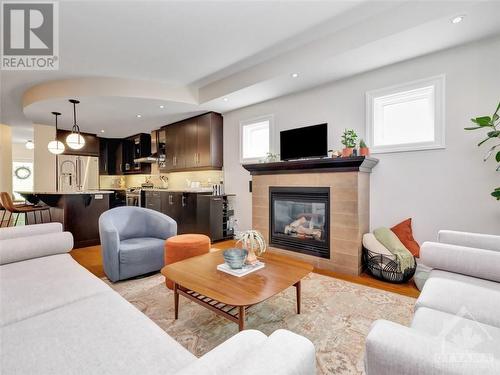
<point x="306" y="142"/>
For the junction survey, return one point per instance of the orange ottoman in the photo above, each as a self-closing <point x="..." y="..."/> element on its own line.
<point x="185" y="246"/>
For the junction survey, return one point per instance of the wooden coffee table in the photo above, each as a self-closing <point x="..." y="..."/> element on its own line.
<point x="199" y="280"/>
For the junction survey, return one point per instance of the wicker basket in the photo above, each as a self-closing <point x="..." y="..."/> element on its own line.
<point x="386" y="268"/>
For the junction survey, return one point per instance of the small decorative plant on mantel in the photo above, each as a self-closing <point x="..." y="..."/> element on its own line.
<point x="349" y="141"/>
<point x="254" y="242"/>
<point x="363" y="148"/>
<point x="491" y="124"/>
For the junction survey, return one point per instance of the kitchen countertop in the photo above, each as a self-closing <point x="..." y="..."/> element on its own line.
<point x="185" y="190"/>
<point x="66" y="192"/>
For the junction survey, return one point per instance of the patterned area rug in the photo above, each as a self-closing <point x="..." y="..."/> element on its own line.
<point x="336" y="317"/>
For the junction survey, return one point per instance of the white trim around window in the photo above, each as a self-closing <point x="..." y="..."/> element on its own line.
<point x="260" y="123"/>
<point x="424" y="103"/>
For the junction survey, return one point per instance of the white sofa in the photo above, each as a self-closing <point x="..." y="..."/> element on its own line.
<point x="58" y="318"/>
<point x="456" y="325"/>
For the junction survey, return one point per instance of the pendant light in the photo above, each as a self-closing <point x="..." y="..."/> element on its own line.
<point x="75" y="139"/>
<point x="29" y="145"/>
<point x="56" y="147"/>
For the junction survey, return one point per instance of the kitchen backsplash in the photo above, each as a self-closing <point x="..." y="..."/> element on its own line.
<point x="175" y="180"/>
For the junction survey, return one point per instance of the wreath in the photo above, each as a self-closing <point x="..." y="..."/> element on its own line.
<point x="22" y="173"/>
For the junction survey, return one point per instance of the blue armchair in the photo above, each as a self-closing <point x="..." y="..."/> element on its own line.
<point x="132" y="240"/>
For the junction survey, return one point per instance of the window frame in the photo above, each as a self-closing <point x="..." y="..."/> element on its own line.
<point x="438" y="82"/>
<point x="250" y="121"/>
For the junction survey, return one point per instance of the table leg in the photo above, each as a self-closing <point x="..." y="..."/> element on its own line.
<point x="297" y="287"/>
<point x="241" y="318"/>
<point x="176" y="301"/>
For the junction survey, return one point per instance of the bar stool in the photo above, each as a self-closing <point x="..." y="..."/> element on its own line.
<point x="4" y="211"/>
<point x="12" y="208"/>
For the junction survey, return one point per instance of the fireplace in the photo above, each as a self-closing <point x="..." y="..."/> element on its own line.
<point x="299" y="219"/>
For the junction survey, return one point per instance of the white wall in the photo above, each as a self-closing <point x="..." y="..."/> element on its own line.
<point x="44" y="168"/>
<point x="5" y="158"/>
<point x="21" y="153"/>
<point x="439" y="188"/>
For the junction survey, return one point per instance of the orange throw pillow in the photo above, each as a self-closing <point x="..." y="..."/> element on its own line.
<point x="405" y="234"/>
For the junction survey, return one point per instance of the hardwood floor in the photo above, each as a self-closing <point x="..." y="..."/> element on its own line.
<point x="90" y="258"/>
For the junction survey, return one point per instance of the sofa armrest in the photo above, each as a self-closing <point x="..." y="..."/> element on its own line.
<point x="230" y="352"/>
<point x="110" y="248"/>
<point x="484" y="264"/>
<point x="283" y="353"/>
<point x="395" y="349"/>
<point x="29" y="230"/>
<point x="477" y="240"/>
<point x="23" y="248"/>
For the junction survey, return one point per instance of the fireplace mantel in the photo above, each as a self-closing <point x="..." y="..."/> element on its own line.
<point x="350" y="164"/>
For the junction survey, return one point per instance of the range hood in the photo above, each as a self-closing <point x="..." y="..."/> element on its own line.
<point x="153" y="158"/>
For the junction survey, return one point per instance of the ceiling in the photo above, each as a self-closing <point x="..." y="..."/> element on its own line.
<point x="127" y="58"/>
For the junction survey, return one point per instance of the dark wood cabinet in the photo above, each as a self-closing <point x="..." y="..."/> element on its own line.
<point x="189" y="137"/>
<point x="153" y="200"/>
<point x="194" y="212"/>
<point x="194" y="144"/>
<point x="108" y="157"/>
<point x="118" y="157"/>
<point x="135" y="147"/>
<point x="91" y="147"/>
<point x="111" y="156"/>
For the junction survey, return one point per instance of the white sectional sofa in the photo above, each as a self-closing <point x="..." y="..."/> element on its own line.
<point x="57" y="318"/>
<point x="456" y="326"/>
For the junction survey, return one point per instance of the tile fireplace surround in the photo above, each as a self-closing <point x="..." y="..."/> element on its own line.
<point x="349" y="183"/>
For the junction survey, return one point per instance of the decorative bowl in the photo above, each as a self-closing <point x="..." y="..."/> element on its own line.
<point x="235" y="258"/>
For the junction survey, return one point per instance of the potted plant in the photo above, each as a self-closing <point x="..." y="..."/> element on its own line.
<point x="349" y="141"/>
<point x="363" y="148"/>
<point x="254" y="242"/>
<point x="491" y="124"/>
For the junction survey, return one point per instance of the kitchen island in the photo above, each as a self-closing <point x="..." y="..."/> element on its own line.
<point x="77" y="211"/>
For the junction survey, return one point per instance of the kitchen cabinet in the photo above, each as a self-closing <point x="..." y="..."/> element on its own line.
<point x="135" y="147"/>
<point x="172" y="147"/>
<point x="213" y="214"/>
<point x="107" y="156"/>
<point x="116" y="156"/>
<point x="194" y="144"/>
<point x="160" y="149"/>
<point x="118" y="198"/>
<point x="194" y="212"/>
<point x="118" y="153"/>
<point x="153" y="200"/>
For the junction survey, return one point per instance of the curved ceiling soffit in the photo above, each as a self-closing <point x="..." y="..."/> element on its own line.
<point x="109" y="87"/>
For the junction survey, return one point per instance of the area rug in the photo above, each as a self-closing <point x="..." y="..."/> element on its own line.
<point x="336" y="317"/>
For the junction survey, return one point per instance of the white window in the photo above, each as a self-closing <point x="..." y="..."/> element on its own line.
<point x="22" y="178"/>
<point x="256" y="137"/>
<point x="406" y="117"/>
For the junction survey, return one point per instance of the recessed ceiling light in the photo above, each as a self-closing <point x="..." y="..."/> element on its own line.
<point x="225" y="99"/>
<point x="162" y="106"/>
<point x="457" y="19"/>
<point x="102" y="130"/>
<point x="294" y="75"/>
<point x="139" y="116"/>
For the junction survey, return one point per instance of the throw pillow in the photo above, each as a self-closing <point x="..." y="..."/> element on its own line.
<point x="405" y="234"/>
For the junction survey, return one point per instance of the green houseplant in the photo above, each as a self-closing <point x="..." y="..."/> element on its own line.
<point x="348" y="139"/>
<point x="363" y="148"/>
<point x="491" y="124"/>
<point x="254" y="242"/>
